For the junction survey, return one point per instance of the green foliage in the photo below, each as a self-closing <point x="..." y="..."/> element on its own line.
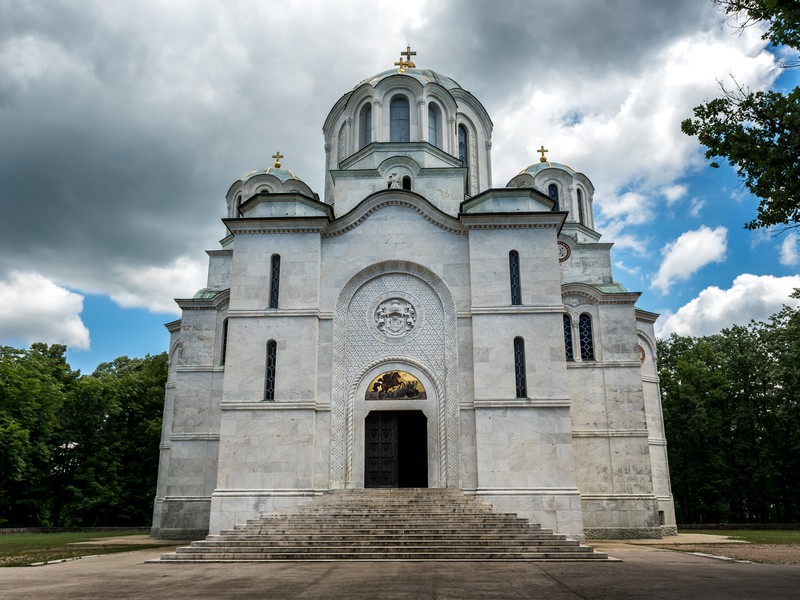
<point x="758" y="536"/>
<point x="731" y="407"/>
<point x="25" y="549"/>
<point x="756" y="132"/>
<point x="78" y="450"/>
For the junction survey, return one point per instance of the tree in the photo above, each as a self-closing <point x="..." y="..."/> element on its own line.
<point x="757" y="132"/>
<point x="731" y="406"/>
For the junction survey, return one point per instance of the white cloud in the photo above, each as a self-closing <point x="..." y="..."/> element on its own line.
<point x="689" y="253"/>
<point x="673" y="193"/>
<point x="751" y="297"/>
<point x="154" y="288"/>
<point x="697" y="206"/>
<point x="34" y="309"/>
<point x="789" y="255"/>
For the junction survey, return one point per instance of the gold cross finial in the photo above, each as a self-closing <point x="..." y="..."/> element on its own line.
<point x="277" y="156"/>
<point x="407" y="63"/>
<point x="541" y="151"/>
<point x="408" y="54"/>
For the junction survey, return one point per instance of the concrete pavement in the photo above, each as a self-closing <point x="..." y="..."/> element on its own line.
<point x="644" y="573"/>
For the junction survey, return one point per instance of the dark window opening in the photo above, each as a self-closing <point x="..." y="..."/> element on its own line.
<point x="581" y="213"/>
<point x="585" y="333"/>
<point x="275" y="281"/>
<point x="520" y="378"/>
<point x="224" y="349"/>
<point x="513" y="272"/>
<point x="406" y="182"/>
<point x="568" y="337"/>
<point x="269" y="387"/>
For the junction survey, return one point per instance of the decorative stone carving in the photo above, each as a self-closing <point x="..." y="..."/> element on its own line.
<point x="395" y="181"/>
<point x="642" y="354"/>
<point x="395" y="317"/>
<point x="563" y="251"/>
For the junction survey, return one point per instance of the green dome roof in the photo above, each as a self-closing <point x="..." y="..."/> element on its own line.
<point x="540" y="166"/>
<point x="282" y="174"/>
<point x="424" y="76"/>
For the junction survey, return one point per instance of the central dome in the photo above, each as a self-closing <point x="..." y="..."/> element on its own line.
<point x="424" y="76"/>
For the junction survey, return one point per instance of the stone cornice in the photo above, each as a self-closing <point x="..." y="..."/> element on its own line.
<point x="263" y="225"/>
<point x="606" y="433"/>
<point x="384" y="198"/>
<point x="595" y="296"/>
<point x="646" y="316"/>
<point x="515" y="220"/>
<point x="513" y="310"/>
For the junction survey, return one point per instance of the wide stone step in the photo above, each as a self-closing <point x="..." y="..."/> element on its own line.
<point x="440" y="525"/>
<point x="399" y="555"/>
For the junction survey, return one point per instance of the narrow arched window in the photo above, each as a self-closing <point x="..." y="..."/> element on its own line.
<point x="586" y="340"/>
<point x="434" y="128"/>
<point x="269" y="378"/>
<point x="275" y="281"/>
<point x="463" y="146"/>
<point x="552" y="191"/>
<point x="520" y="378"/>
<point x="513" y="275"/>
<point x="406" y="182"/>
<point x="399" y="123"/>
<point x="224" y="349"/>
<point x="568" y="337"/>
<point x="239" y="205"/>
<point x="365" y="125"/>
<point x="581" y="213"/>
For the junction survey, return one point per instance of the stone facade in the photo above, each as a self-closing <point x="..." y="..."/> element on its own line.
<point x="491" y="314"/>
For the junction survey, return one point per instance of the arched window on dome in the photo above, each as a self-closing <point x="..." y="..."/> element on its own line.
<point x="399" y="120"/>
<point x="520" y="376"/>
<point x="239" y="205"/>
<point x="406" y="182"/>
<point x="463" y="146"/>
<point x="434" y="125"/>
<point x="581" y="209"/>
<point x="365" y="125"/>
<point x="552" y="191"/>
<point x="586" y="339"/>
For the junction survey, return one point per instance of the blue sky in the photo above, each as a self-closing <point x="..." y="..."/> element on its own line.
<point x="124" y="125"/>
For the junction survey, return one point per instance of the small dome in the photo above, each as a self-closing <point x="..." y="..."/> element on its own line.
<point x="424" y="76"/>
<point x="282" y="174"/>
<point x="540" y="166"/>
<point x="205" y="294"/>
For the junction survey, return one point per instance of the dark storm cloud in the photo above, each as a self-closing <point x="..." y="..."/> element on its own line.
<point x="122" y="124"/>
<point x="501" y="44"/>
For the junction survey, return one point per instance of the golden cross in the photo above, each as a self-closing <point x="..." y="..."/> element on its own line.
<point x="278" y="156"/>
<point x="402" y="65"/>
<point x="408" y="53"/>
<point x="541" y="151"/>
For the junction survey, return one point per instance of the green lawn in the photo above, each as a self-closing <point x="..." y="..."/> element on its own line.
<point x="25" y="549"/>
<point x="756" y="536"/>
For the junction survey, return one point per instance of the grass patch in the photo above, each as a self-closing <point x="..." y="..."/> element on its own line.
<point x="755" y="536"/>
<point x="26" y="549"/>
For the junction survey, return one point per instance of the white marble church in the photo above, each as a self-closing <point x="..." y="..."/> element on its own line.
<point x="414" y="327"/>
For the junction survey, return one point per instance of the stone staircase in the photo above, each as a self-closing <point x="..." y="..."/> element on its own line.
<point x="386" y="524"/>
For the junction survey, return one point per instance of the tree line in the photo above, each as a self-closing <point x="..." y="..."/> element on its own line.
<point x="78" y="450"/>
<point x="731" y="406"/>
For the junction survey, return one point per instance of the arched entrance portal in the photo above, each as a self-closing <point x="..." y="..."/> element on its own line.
<point x="396" y="449"/>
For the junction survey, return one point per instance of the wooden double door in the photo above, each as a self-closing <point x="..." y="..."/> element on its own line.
<point x="396" y="452"/>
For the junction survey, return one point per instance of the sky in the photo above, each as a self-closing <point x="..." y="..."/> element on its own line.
<point x="123" y="124"/>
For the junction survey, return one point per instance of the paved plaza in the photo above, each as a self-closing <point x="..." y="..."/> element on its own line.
<point x="643" y="572"/>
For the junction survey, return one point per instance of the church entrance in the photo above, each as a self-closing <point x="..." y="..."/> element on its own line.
<point x="396" y="452"/>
